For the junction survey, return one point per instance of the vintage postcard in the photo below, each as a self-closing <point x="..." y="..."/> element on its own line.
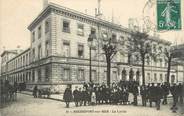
<point x="91" y="57"/>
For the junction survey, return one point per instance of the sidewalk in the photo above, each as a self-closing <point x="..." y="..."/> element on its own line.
<point x="58" y="97"/>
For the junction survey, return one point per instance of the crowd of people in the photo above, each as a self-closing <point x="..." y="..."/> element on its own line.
<point x="118" y="93"/>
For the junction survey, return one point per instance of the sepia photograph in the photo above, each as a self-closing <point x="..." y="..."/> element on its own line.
<point x="91" y="57"/>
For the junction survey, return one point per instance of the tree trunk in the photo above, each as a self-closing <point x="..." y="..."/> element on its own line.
<point x="108" y="71"/>
<point x="143" y="72"/>
<point x="168" y="69"/>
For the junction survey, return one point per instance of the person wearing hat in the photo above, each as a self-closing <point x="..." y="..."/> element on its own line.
<point x="180" y="90"/>
<point x="80" y="96"/>
<point x="158" y="95"/>
<point x="76" y="96"/>
<point x="165" y="88"/>
<point x="143" y="92"/>
<point x="174" y="92"/>
<point x="67" y="96"/>
<point x="152" y="91"/>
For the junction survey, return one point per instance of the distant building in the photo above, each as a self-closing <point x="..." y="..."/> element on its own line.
<point x="59" y="53"/>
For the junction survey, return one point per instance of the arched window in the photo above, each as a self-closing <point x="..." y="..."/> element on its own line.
<point x="124" y="73"/>
<point x="172" y="79"/>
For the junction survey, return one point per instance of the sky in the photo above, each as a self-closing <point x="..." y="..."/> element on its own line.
<point x="16" y="15"/>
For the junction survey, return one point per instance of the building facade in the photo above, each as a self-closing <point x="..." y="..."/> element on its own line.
<point x="59" y="52"/>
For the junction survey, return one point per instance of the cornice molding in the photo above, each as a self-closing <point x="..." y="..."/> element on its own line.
<point x="73" y="14"/>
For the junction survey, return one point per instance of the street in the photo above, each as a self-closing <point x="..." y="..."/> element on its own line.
<point x="26" y="105"/>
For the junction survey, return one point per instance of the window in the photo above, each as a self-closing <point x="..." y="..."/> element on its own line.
<point x="39" y="32"/>
<point x="104" y="35"/>
<point x="24" y="60"/>
<point x="47" y="73"/>
<point x="39" y="52"/>
<point x="27" y="62"/>
<point x="161" y="78"/>
<point x="160" y="49"/>
<point x="155" y="63"/>
<point x="80" y="29"/>
<point x="165" y="63"/>
<point x="94" y="75"/>
<point x="66" y="74"/>
<point x="66" y="49"/>
<point x="93" y="31"/>
<point x="21" y="61"/>
<point x="122" y="41"/>
<point x="113" y="36"/>
<point x="165" y="77"/>
<point x="39" y="75"/>
<point x="33" y="36"/>
<point x="114" y="75"/>
<point x="172" y="79"/>
<point x="47" y="49"/>
<point x="33" y="75"/>
<point x="93" y="54"/>
<point x="81" y="51"/>
<point x="47" y="26"/>
<point x="155" y="77"/>
<point x="154" y="48"/>
<point x="148" y="77"/>
<point x="81" y="74"/>
<point x="148" y="60"/>
<point x="105" y="75"/>
<point x="66" y="26"/>
<point x="160" y="62"/>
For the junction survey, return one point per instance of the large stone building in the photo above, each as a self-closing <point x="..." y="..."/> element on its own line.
<point x="59" y="52"/>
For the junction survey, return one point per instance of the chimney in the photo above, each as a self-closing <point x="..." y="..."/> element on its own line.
<point x="45" y="3"/>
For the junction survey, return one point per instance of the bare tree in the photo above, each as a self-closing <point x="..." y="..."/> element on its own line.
<point x="140" y="44"/>
<point x="109" y="47"/>
<point x="169" y="55"/>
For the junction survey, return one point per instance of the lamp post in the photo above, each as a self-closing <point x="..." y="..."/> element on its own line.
<point x="90" y="44"/>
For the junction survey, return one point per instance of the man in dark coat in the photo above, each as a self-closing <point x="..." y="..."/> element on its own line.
<point x="104" y="94"/>
<point x="165" y="88"/>
<point x="180" y="90"/>
<point x="76" y="96"/>
<point x="80" y="96"/>
<point x="151" y="92"/>
<point x="174" y="92"/>
<point x="158" y="95"/>
<point x="108" y="94"/>
<point x="67" y="96"/>
<point x="35" y="90"/>
<point x="135" y="93"/>
<point x="97" y="92"/>
<point x="85" y="96"/>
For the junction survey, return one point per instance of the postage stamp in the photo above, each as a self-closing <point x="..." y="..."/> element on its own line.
<point x="168" y="14"/>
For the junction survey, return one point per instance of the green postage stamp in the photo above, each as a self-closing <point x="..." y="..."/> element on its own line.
<point x="168" y="14"/>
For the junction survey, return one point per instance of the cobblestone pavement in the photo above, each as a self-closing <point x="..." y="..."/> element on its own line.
<point x="26" y="105"/>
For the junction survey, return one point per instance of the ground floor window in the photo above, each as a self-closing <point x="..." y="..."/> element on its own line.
<point x="66" y="74"/>
<point x="81" y="75"/>
<point x="172" y="79"/>
<point x="33" y="75"/>
<point x="47" y="73"/>
<point x="155" y="77"/>
<point x="39" y="75"/>
<point x="94" y="75"/>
